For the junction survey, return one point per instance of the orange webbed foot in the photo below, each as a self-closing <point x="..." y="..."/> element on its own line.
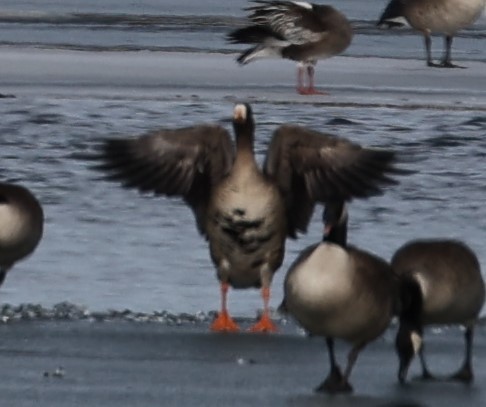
<point x="265" y="324"/>
<point x="224" y="323"/>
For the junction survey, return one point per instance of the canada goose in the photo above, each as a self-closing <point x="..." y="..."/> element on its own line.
<point x="296" y="30"/>
<point x="245" y="213"/>
<point x="441" y="283"/>
<point x="21" y="225"/>
<point x="339" y="291"/>
<point x="445" y="17"/>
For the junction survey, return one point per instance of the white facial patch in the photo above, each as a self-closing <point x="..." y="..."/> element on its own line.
<point x="416" y="341"/>
<point x="240" y="112"/>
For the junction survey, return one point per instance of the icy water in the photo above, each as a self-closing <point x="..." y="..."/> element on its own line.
<point x="109" y="248"/>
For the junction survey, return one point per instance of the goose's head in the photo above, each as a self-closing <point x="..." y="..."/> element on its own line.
<point x="243" y="121"/>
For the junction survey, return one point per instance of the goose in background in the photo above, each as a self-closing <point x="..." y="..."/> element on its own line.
<point x="295" y="30"/>
<point x="445" y="17"/>
<point x="440" y="283"/>
<point x="21" y="225"/>
<point x="339" y="291"/>
<point x="244" y="212"/>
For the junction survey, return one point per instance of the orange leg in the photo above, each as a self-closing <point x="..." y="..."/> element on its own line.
<point x="265" y="324"/>
<point x="224" y="322"/>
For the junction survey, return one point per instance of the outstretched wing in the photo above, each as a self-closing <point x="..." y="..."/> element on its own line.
<point x="311" y="167"/>
<point x="184" y="162"/>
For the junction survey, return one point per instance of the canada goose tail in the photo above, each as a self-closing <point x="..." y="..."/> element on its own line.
<point x="3" y="274"/>
<point x="393" y="15"/>
<point x="282" y="308"/>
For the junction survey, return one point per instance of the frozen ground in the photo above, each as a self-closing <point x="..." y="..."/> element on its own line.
<point x="60" y="364"/>
<point x="367" y="81"/>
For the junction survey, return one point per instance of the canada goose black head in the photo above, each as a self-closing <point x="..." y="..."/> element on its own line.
<point x="335" y="219"/>
<point x="408" y="341"/>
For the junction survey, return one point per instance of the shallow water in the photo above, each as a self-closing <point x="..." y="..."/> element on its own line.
<point x="105" y="247"/>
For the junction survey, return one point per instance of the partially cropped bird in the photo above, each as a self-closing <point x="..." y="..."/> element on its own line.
<point x="339" y="291"/>
<point x="440" y="283"/>
<point x="21" y="225"/>
<point x="247" y="213"/>
<point x="445" y="17"/>
<point x="295" y="30"/>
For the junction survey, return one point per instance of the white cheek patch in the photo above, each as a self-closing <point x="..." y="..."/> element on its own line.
<point x="416" y="341"/>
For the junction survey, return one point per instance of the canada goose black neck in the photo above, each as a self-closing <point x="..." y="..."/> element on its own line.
<point x="244" y="127"/>
<point x="335" y="219"/>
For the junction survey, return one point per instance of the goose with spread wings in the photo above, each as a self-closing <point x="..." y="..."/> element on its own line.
<point x="246" y="213"/>
<point x="296" y="30"/>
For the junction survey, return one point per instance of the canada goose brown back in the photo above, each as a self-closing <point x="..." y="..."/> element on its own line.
<point x="441" y="283"/>
<point x="247" y="212"/>
<point x="339" y="291"/>
<point x="21" y="225"/>
<point x="445" y="17"/>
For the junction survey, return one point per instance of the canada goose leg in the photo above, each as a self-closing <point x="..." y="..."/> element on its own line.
<point x="265" y="323"/>
<point x="465" y="373"/>
<point x="224" y="322"/>
<point x="335" y="381"/>
<point x="446" y="60"/>
<point x="428" y="52"/>
<point x="426" y="375"/>
<point x="352" y="356"/>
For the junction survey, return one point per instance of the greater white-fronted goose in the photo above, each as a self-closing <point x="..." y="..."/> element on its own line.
<point x="445" y="17"/>
<point x="21" y="225"/>
<point x="296" y="30"/>
<point x="339" y="291"/>
<point x="440" y="283"/>
<point x="245" y="213"/>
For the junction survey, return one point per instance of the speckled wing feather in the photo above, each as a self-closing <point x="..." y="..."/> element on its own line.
<point x="311" y="167"/>
<point x="184" y="162"/>
<point x="295" y="22"/>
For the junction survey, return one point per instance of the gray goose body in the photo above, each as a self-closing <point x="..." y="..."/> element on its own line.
<point x="339" y="291"/>
<point x="300" y="31"/>
<point x="245" y="212"/>
<point x="441" y="283"/>
<point x="21" y="225"/>
<point x="445" y="17"/>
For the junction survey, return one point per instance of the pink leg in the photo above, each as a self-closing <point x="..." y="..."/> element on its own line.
<point x="311" y="90"/>
<point x="265" y="323"/>
<point x="224" y="322"/>
<point x="301" y="89"/>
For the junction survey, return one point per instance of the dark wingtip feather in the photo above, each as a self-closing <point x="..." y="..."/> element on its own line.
<point x="253" y="34"/>
<point x="242" y="58"/>
<point x="393" y="10"/>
